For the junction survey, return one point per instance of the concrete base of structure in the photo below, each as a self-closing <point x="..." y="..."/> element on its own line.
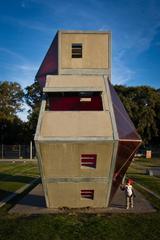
<point x="34" y="203"/>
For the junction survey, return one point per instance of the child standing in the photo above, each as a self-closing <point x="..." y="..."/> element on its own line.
<point x="129" y="193"/>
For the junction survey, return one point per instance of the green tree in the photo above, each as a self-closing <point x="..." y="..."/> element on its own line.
<point x="142" y="105"/>
<point x="33" y="95"/>
<point x="11" y="100"/>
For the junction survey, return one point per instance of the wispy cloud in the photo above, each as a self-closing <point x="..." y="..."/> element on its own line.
<point x="35" y="25"/>
<point x="23" y="73"/>
<point x="12" y="53"/>
<point x="26" y="67"/>
<point x="121" y="74"/>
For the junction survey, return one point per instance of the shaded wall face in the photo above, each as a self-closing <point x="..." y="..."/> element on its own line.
<point x="125" y="154"/>
<point x="95" y="51"/>
<point x="129" y="141"/>
<point x="49" y="64"/>
<point x="126" y="129"/>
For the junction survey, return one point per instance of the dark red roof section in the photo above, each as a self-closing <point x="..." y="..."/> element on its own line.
<point x="49" y="64"/>
<point x="125" y="127"/>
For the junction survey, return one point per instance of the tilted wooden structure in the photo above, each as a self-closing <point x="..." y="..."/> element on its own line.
<point x="85" y="140"/>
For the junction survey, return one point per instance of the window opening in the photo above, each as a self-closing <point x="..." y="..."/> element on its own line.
<point x="87" y="194"/>
<point x="75" y="101"/>
<point x="88" y="160"/>
<point x="76" y="50"/>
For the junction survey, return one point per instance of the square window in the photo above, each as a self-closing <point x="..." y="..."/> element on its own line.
<point x="87" y="194"/>
<point x="76" y="50"/>
<point x="88" y="160"/>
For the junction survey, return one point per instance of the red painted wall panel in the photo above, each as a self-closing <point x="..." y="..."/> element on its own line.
<point x="75" y="104"/>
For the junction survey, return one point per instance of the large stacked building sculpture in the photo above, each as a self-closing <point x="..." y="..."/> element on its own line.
<point x="85" y="139"/>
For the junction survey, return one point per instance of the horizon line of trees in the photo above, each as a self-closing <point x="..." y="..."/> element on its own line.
<point x="142" y="104"/>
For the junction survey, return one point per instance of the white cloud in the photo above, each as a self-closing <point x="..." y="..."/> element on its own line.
<point x="23" y="115"/>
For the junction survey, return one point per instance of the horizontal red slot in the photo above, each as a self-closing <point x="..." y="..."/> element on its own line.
<point x="84" y="194"/>
<point x="86" y="163"/>
<point x="87" y="191"/>
<point x="89" y="155"/>
<point x="88" y="160"/>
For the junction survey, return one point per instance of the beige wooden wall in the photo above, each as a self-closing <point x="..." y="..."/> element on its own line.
<point x="95" y="51"/>
<point x="76" y="124"/>
<point x="63" y="159"/>
<point x="68" y="195"/>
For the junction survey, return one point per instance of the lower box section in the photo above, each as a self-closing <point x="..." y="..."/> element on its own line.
<point x="77" y="195"/>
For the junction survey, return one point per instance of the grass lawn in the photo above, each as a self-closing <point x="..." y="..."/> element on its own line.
<point x="83" y="226"/>
<point x="137" y="171"/>
<point x="15" y="175"/>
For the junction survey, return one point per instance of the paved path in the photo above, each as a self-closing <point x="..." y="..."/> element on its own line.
<point x="34" y="203"/>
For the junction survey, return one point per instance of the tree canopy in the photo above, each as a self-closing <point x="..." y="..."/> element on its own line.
<point x="142" y="104"/>
<point x="11" y="99"/>
<point x="33" y="95"/>
<point x="11" y="102"/>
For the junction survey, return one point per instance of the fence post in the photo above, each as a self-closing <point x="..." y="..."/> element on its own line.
<point x="19" y="151"/>
<point x="2" y="151"/>
<point x="30" y="150"/>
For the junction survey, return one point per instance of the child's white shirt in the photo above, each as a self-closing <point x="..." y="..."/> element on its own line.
<point x="129" y="191"/>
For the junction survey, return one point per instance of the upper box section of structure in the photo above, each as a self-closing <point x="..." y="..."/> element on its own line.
<point x="77" y="53"/>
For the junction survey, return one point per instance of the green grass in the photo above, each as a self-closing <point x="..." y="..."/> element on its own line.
<point x="15" y="175"/>
<point x="109" y="227"/>
<point x="137" y="171"/>
<point x="87" y="227"/>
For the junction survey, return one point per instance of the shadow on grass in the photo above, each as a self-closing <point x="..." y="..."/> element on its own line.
<point x="4" y="194"/>
<point x="15" y="178"/>
<point x="17" y="197"/>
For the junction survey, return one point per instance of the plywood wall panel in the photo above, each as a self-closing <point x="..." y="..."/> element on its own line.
<point x="63" y="159"/>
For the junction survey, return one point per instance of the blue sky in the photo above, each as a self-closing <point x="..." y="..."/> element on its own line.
<point x="28" y="27"/>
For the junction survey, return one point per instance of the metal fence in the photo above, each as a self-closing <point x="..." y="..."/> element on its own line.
<point x="17" y="151"/>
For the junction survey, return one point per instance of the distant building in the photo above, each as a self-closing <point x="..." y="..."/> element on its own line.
<point x="85" y="140"/>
